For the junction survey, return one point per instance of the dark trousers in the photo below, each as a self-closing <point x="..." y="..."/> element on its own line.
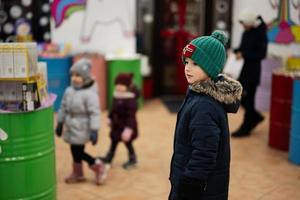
<point x="78" y="155"/>
<point x="248" y="102"/>
<point x="173" y="195"/>
<point x="113" y="147"/>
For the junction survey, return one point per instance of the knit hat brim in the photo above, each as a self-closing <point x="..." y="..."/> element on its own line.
<point x="193" y="52"/>
<point x="208" y="52"/>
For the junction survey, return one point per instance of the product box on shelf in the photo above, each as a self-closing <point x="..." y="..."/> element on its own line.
<point x="33" y="57"/>
<point x="30" y="96"/>
<point x="19" y="60"/>
<point x="6" y="49"/>
<point x="42" y="84"/>
<point x="23" y="81"/>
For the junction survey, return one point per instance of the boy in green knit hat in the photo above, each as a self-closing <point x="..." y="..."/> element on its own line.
<point x="201" y="157"/>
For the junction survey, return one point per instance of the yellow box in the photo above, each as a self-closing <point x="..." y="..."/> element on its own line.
<point x="293" y="64"/>
<point x="18" y="61"/>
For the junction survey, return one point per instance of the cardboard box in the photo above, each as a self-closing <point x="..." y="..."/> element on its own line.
<point x="33" y="58"/>
<point x="42" y="81"/>
<point x="18" y="60"/>
<point x="21" y="67"/>
<point x="42" y="70"/>
<point x="7" y="60"/>
<point x="30" y="98"/>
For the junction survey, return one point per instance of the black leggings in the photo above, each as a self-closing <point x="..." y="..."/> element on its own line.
<point x="113" y="147"/>
<point x="78" y="155"/>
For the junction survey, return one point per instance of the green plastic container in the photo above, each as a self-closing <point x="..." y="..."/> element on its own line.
<point x="27" y="157"/>
<point x="117" y="66"/>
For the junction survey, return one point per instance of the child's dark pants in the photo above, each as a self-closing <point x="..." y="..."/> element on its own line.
<point x="78" y="155"/>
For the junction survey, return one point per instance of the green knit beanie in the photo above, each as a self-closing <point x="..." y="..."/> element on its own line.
<point x="208" y="52"/>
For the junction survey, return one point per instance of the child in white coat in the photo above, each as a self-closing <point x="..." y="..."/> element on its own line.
<point x="80" y="115"/>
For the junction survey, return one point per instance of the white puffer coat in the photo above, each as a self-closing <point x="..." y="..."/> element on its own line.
<point x="80" y="114"/>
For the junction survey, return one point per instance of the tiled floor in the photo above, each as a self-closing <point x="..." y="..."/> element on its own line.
<point x="257" y="171"/>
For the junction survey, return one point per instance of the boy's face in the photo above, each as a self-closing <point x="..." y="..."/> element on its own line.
<point x="121" y="88"/>
<point x="193" y="73"/>
<point x="76" y="80"/>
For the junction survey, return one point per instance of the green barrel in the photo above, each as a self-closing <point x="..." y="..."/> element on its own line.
<point x="117" y="66"/>
<point x="27" y="157"/>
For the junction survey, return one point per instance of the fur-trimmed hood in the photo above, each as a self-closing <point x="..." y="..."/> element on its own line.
<point x="225" y="90"/>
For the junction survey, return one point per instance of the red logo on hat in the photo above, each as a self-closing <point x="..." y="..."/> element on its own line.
<point x="188" y="50"/>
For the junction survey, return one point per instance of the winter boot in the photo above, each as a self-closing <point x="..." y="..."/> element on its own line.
<point x="243" y="131"/>
<point x="77" y="174"/>
<point x="98" y="168"/>
<point x="248" y="125"/>
<point x="105" y="173"/>
<point x="131" y="163"/>
<point x="255" y="121"/>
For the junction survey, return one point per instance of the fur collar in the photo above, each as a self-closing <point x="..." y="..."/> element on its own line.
<point x="124" y="95"/>
<point x="225" y="89"/>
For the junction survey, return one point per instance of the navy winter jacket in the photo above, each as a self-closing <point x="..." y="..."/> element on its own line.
<point x="201" y="160"/>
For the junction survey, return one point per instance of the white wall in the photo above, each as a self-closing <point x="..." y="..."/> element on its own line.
<point x="111" y="22"/>
<point x="263" y="8"/>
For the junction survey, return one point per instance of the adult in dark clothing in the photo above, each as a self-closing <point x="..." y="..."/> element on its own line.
<point x="200" y="163"/>
<point x="122" y="118"/>
<point x="253" y="49"/>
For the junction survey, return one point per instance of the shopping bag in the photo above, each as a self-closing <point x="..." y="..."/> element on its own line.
<point x="233" y="66"/>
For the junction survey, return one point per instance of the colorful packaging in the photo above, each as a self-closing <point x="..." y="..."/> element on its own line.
<point x="42" y="83"/>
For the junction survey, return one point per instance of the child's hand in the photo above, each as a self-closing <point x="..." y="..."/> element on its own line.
<point x="238" y="56"/>
<point x="94" y="137"/>
<point x="59" y="129"/>
<point x="108" y="121"/>
<point x="126" y="134"/>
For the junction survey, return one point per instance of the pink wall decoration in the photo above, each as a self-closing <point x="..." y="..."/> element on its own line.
<point x="283" y="30"/>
